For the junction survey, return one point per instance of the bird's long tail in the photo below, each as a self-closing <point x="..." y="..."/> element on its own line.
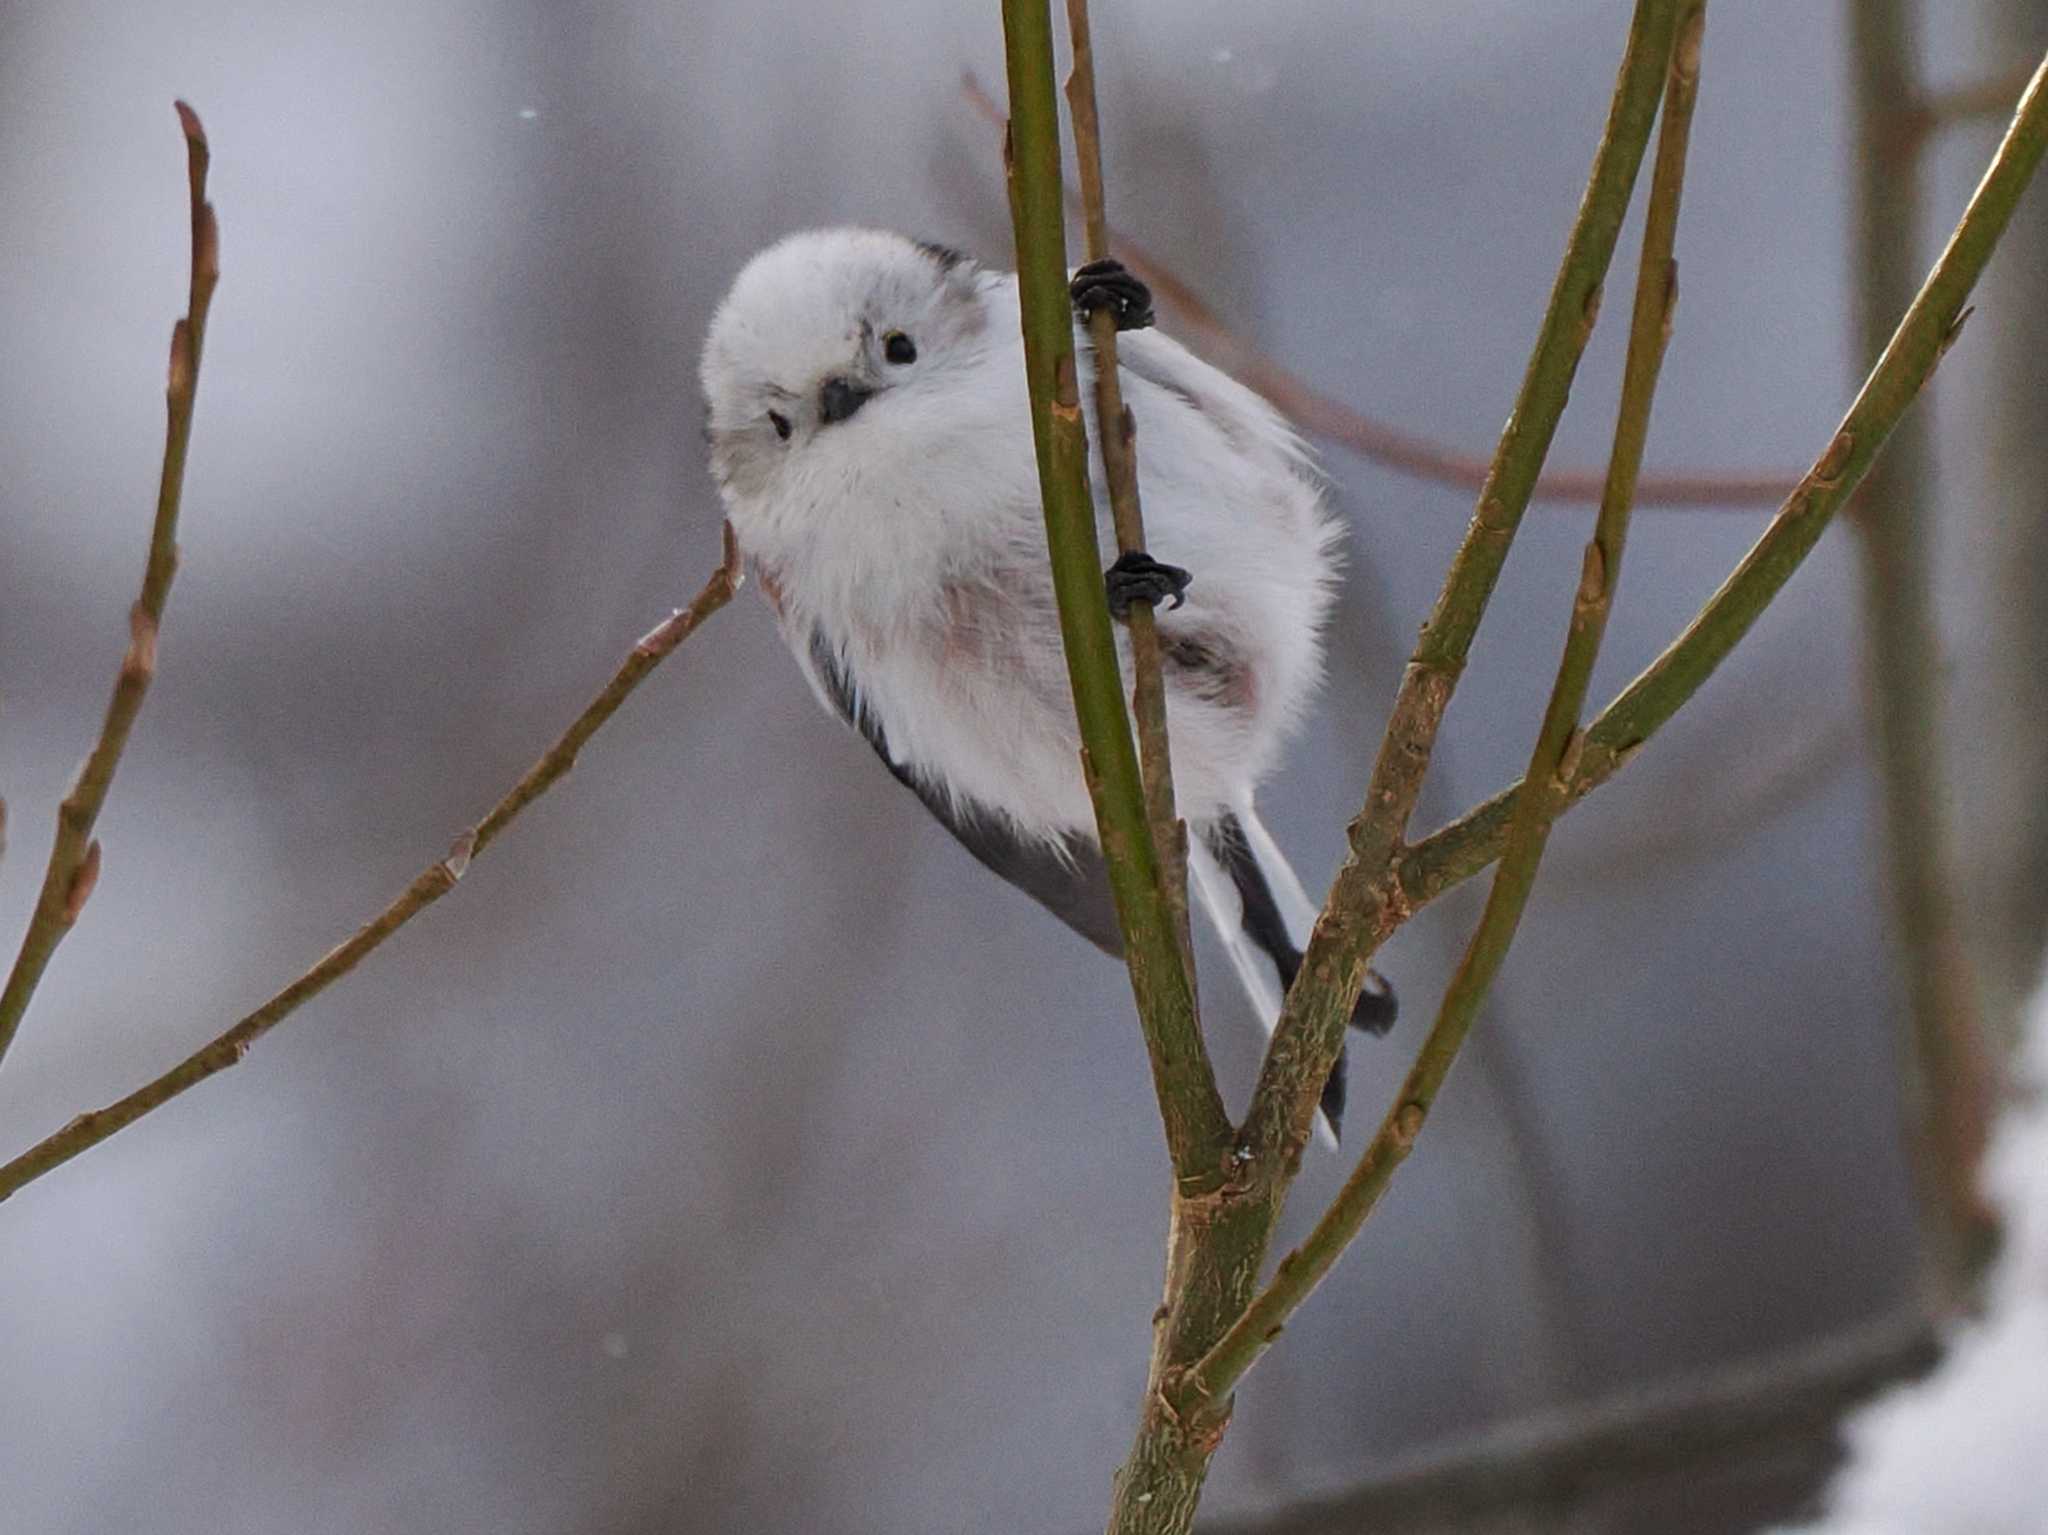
<point x="1263" y="916"/>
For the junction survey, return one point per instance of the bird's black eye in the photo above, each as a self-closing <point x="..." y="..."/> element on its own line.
<point x="781" y="424"/>
<point x="899" y="348"/>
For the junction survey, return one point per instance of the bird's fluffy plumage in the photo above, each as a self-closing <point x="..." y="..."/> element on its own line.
<point x="912" y="535"/>
<point x="903" y="545"/>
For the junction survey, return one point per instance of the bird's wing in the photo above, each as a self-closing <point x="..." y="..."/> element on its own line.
<point x="1068" y="877"/>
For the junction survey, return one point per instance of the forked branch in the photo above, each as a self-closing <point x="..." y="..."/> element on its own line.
<point x="1467" y="845"/>
<point x="1923" y="336"/>
<point x="1217" y="1245"/>
<point x="1540" y="799"/>
<point x="433" y="882"/>
<point x="1360" y="909"/>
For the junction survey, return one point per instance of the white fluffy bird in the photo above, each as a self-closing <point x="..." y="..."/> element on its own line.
<point x="870" y="434"/>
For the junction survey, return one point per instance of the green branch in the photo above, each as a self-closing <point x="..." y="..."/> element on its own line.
<point x="1118" y="431"/>
<point x="74" y="864"/>
<point x="1218" y="1245"/>
<point x="1468" y="844"/>
<point x="1359" y="913"/>
<point x="1539" y="802"/>
<point x="1197" y="1128"/>
<point x="433" y="882"/>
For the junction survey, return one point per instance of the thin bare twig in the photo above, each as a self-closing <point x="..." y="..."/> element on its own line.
<point x="1330" y="419"/>
<point x="433" y="882"/>
<point x="1737" y="800"/>
<point x="1118" y="431"/>
<point x="1542" y="796"/>
<point x="74" y="856"/>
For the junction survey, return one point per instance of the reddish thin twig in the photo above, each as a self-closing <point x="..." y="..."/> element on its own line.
<point x="1406" y="452"/>
<point x="74" y="865"/>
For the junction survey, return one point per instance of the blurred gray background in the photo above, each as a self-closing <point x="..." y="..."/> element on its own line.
<point x="731" y="1152"/>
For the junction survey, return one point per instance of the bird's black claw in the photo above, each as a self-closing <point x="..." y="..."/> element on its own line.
<point x="1108" y="284"/>
<point x="1137" y="577"/>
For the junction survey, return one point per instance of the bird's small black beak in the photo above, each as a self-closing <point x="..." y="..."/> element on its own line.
<point x="840" y="398"/>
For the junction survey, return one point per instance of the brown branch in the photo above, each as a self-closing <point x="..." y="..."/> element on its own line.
<point x="74" y="856"/>
<point x="433" y="882"/>
<point x="1551" y="1461"/>
<point x="1408" y="453"/>
<point x="1948" y="1070"/>
<point x="1117" y="430"/>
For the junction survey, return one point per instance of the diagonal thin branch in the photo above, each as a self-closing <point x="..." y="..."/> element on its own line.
<point x="1728" y="801"/>
<point x="1467" y="845"/>
<point x="1553" y="1460"/>
<point x="1118" y="430"/>
<point x="1540" y="800"/>
<point x="1322" y="415"/>
<point x="433" y="882"/>
<point x="1197" y="1128"/>
<point x="1360" y="911"/>
<point x="74" y="856"/>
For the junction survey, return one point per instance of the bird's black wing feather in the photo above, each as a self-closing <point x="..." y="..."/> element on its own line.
<point x="1068" y="880"/>
<point x="1377" y="1005"/>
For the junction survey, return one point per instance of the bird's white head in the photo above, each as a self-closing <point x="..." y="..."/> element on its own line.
<point x="825" y="337"/>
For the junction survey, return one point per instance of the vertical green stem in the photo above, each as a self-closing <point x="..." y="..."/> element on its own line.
<point x="1197" y="1128"/>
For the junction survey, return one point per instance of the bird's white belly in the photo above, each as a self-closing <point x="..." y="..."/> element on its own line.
<point x="974" y="697"/>
<point x="979" y="702"/>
